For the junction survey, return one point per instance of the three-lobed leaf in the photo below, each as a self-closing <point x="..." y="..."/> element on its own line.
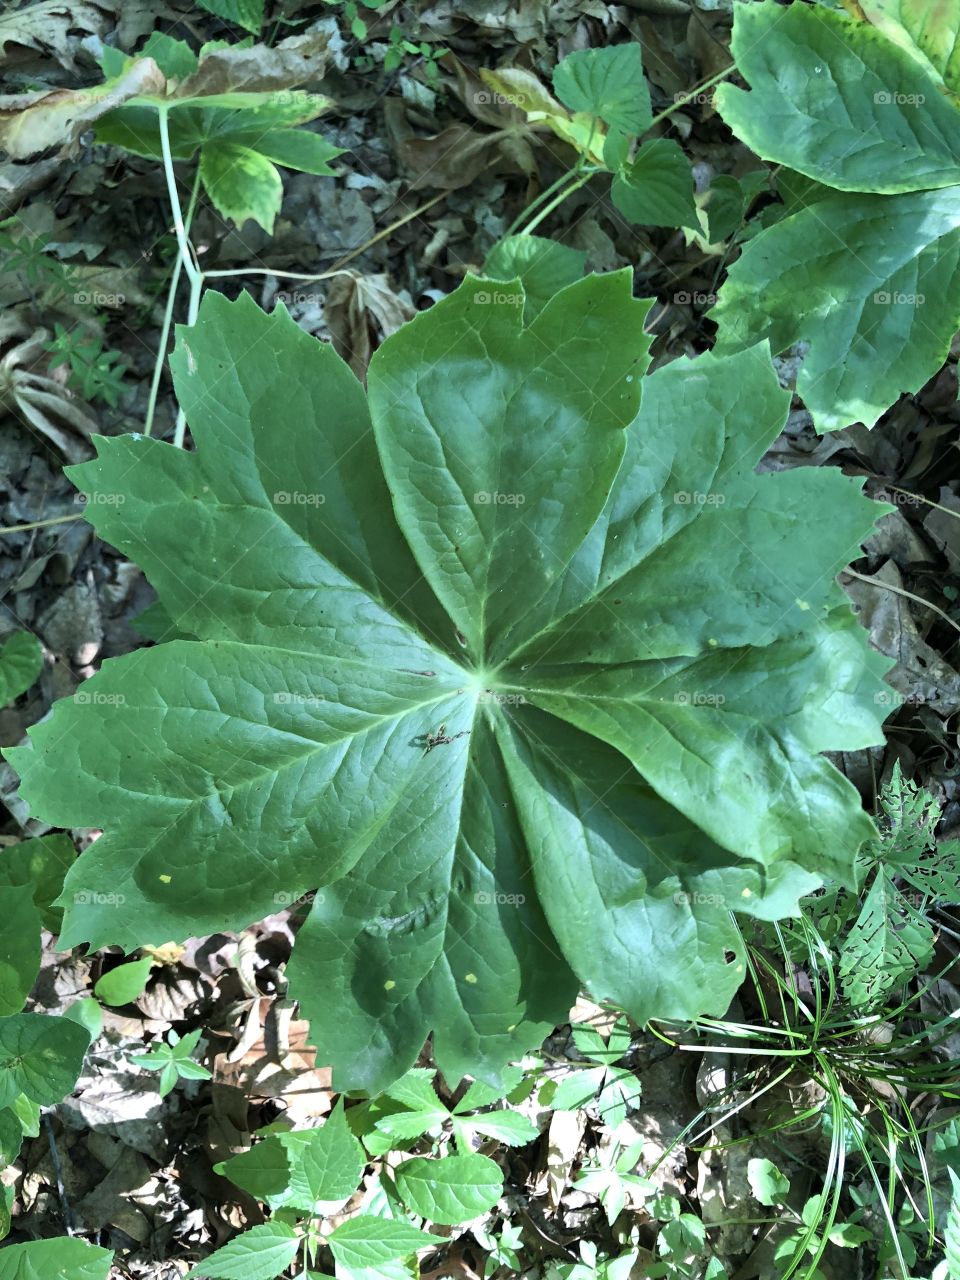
<point x="608" y="83"/>
<point x="655" y="188"/>
<point x="40" y="1056"/>
<point x="484" y="657"/>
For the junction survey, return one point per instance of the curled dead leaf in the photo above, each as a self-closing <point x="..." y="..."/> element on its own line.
<point x="39" y="401"/>
<point x="34" y="122"/>
<point x="360" y="312"/>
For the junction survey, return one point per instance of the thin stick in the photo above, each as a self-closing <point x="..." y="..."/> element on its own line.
<point x="335" y="269"/>
<point x="39" y="524"/>
<point x="68" y="1220"/>
<point x="900" y="591"/>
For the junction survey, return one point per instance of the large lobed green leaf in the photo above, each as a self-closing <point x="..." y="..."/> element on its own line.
<point x="869" y="281"/>
<point x="528" y="687"/>
<point x="836" y="100"/>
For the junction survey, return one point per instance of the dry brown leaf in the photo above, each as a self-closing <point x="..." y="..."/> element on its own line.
<point x="40" y="402"/>
<point x="54" y="27"/>
<point x="285" y="1071"/>
<point x="259" y="69"/>
<point x="360" y="312"/>
<point x="34" y="122"/>
<point x="920" y="673"/>
<point x="458" y="155"/>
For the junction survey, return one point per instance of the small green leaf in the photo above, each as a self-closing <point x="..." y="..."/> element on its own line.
<point x="40" y="1056"/>
<point x="245" y="13"/>
<point x="887" y="944"/>
<point x="258" y="1254"/>
<point x="86" y="1013"/>
<point x="263" y="1171"/>
<point x="608" y="83"/>
<point x="19" y="946"/>
<point x="848" y="1235"/>
<point x="125" y="983"/>
<point x="60" y="1259"/>
<point x="451" y="1190"/>
<point x="543" y="267"/>
<point x="169" y="1076"/>
<point x="21" y="661"/>
<point x="174" y="57"/>
<point x="293" y="148"/>
<point x="656" y="188"/>
<point x="767" y="1183"/>
<point x="951" y="1229"/>
<point x="242" y="183"/>
<point x="508" y="1127"/>
<point x="577" y="1089"/>
<point x="41" y="863"/>
<point x="620" y="1093"/>
<point x="367" y="1241"/>
<point x="11" y="1136"/>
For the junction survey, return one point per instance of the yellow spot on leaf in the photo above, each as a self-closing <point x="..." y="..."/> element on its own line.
<point x="166" y="879"/>
<point x="747" y="893"/>
<point x="802" y="604"/>
<point x="470" y="977"/>
<point x="389" y="984"/>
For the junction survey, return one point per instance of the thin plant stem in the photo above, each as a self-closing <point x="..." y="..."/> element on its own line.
<point x="907" y="595"/>
<point x="39" y="524"/>
<point x="168" y="315"/>
<point x="341" y="262"/>
<point x="698" y="88"/>
<point x="544" y="195"/>
<point x="194" y="274"/>
<point x="558" y="199"/>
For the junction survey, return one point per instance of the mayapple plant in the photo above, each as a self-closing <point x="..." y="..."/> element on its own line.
<point x="528" y="673"/>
